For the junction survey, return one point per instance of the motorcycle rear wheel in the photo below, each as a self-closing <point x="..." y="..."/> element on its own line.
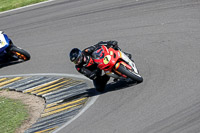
<point x="130" y="73"/>
<point x="20" y="53"/>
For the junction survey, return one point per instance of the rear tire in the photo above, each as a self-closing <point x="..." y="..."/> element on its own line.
<point x="130" y="73"/>
<point x="20" y="53"/>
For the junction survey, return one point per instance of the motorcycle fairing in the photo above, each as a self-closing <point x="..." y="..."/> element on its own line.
<point x="105" y="59"/>
<point x="4" y="42"/>
<point x="98" y="54"/>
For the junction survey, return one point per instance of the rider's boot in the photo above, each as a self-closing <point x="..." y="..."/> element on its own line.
<point x="13" y="58"/>
<point x="100" y="82"/>
<point x="115" y="80"/>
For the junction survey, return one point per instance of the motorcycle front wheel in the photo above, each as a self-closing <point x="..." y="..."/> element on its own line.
<point x="130" y="73"/>
<point x="20" y="53"/>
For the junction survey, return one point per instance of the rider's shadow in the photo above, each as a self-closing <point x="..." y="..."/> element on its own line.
<point x="112" y="86"/>
<point x="8" y="63"/>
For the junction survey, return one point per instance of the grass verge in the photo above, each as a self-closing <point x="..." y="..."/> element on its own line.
<point x="12" y="4"/>
<point x="12" y="114"/>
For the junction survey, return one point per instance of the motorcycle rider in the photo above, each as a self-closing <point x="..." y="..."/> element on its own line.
<point x="85" y="65"/>
<point x="4" y="56"/>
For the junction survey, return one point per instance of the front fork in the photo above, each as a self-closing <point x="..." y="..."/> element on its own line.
<point x="127" y="60"/>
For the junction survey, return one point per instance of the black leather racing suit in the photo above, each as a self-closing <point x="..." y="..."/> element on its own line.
<point x="88" y="68"/>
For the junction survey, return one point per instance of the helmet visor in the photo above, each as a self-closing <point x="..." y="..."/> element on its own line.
<point x="77" y="61"/>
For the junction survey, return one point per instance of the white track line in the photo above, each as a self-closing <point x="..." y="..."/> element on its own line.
<point x="90" y="103"/>
<point x="26" y="6"/>
<point x="47" y="74"/>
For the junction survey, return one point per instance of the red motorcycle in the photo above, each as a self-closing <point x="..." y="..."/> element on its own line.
<point x="116" y="64"/>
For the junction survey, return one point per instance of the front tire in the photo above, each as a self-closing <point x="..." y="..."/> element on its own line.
<point x="20" y="53"/>
<point x="130" y="73"/>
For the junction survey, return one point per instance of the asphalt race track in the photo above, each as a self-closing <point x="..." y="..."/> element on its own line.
<point x="163" y="37"/>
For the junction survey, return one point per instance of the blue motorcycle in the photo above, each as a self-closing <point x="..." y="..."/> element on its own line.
<point x="11" y="52"/>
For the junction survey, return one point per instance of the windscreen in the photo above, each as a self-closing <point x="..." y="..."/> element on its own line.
<point x="98" y="54"/>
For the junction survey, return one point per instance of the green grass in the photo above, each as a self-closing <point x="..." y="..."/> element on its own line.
<point x="12" y="4"/>
<point x="12" y="114"/>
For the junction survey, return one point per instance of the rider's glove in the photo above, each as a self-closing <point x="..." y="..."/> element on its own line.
<point x="114" y="44"/>
<point x="115" y="47"/>
<point x="89" y="50"/>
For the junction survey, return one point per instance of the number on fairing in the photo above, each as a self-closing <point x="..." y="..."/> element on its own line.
<point x="107" y="59"/>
